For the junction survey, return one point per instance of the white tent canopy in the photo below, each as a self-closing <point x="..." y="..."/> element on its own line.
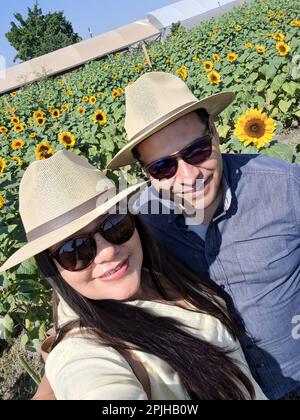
<point x="190" y="12"/>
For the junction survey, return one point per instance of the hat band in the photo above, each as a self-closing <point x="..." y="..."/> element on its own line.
<point x="161" y="120"/>
<point x="70" y="216"/>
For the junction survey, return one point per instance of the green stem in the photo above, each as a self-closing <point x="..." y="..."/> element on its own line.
<point x="25" y="366"/>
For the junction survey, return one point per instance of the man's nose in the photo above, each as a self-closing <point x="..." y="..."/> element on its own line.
<point x="187" y="174"/>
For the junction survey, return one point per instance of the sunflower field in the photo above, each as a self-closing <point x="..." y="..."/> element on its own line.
<point x="253" y="51"/>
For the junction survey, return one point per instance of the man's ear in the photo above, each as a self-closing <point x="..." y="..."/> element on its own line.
<point x="213" y="128"/>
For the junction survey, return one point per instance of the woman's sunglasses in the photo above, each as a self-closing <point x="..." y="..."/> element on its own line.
<point x="195" y="154"/>
<point x="78" y="253"/>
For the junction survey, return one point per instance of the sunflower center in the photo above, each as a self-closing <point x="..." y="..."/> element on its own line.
<point x="255" y="129"/>
<point x="67" y="140"/>
<point x="99" y="117"/>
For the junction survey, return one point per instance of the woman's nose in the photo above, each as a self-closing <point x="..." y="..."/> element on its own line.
<point x="105" y="250"/>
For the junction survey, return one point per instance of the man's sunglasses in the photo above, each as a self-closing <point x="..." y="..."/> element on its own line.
<point x="194" y="154"/>
<point x="78" y="253"/>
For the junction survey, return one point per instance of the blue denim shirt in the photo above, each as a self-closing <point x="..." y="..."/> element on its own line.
<point x="252" y="251"/>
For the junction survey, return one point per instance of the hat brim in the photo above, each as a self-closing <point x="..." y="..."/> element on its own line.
<point x="47" y="241"/>
<point x="214" y="105"/>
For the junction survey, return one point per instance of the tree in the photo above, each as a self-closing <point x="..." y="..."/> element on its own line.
<point x="40" y="34"/>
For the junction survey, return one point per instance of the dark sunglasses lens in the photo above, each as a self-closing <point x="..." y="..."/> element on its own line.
<point x="118" y="229"/>
<point x="163" y="169"/>
<point x="198" y="152"/>
<point x="77" y="254"/>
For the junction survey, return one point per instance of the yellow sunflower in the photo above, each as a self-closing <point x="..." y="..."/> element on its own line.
<point x="281" y="14"/>
<point x="67" y="139"/>
<point x="90" y="91"/>
<point x="38" y="114"/>
<point x="232" y="57"/>
<point x="120" y="91"/>
<point x="214" y="78"/>
<point x="182" y="72"/>
<point x="100" y="117"/>
<point x="41" y="121"/>
<point x="208" y="66"/>
<point x="19" y="128"/>
<point x="137" y="70"/>
<point x="283" y="49"/>
<point x="17" y="144"/>
<point x="62" y="83"/>
<point x="260" y="49"/>
<point x="43" y="151"/>
<point x="15" y="120"/>
<point x="14" y="94"/>
<point x="33" y="135"/>
<point x="81" y="110"/>
<point x="196" y="59"/>
<point x="255" y="127"/>
<point x="115" y="93"/>
<point x="3" y="129"/>
<point x="17" y="160"/>
<point x="56" y="113"/>
<point x="295" y="23"/>
<point x="69" y="92"/>
<point x="249" y="45"/>
<point x="271" y="14"/>
<point x="2" y="202"/>
<point x="65" y="107"/>
<point x="278" y="37"/>
<point x="217" y="58"/>
<point x="85" y="99"/>
<point x="114" y="76"/>
<point x="3" y="165"/>
<point x="238" y="28"/>
<point x="118" y="55"/>
<point x="93" y="100"/>
<point x="101" y="94"/>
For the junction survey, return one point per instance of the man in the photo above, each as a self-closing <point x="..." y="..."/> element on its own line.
<point x="247" y="237"/>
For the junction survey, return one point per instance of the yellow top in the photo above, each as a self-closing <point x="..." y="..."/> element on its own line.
<point x="79" y="369"/>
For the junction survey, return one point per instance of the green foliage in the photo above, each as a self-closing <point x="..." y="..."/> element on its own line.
<point x="176" y="28"/>
<point x="40" y="34"/>
<point x="266" y="81"/>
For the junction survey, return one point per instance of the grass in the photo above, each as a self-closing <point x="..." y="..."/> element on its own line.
<point x="15" y="384"/>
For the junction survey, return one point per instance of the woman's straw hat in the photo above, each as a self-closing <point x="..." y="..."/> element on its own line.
<point x="58" y="197"/>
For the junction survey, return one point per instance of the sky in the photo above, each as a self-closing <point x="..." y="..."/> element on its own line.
<point x="99" y="15"/>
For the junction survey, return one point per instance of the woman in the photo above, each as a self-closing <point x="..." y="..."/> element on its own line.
<point x="119" y="293"/>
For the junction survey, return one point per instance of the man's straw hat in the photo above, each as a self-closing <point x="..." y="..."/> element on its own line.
<point x="154" y="101"/>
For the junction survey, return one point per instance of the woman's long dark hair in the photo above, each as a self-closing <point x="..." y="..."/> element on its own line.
<point x="206" y="371"/>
